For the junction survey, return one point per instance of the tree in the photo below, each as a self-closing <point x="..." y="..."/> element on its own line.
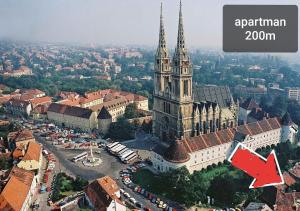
<point x="5" y="163"/>
<point x="131" y="111"/>
<point x="79" y="183"/>
<point x="120" y="130"/>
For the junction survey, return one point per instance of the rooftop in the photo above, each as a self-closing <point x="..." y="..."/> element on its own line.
<point x="16" y="190"/>
<point x="33" y="152"/>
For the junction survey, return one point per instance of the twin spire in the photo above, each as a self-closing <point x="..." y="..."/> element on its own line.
<point x="180" y="47"/>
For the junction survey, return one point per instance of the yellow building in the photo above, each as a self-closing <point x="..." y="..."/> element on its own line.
<point x="72" y="116"/>
<point x="32" y="159"/>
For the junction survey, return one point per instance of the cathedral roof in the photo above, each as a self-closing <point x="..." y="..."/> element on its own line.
<point x="286" y="119"/>
<point x="249" y="104"/>
<point x="216" y="94"/>
<point x="177" y="152"/>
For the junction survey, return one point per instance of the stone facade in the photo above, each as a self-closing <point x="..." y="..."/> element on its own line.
<point x="199" y="127"/>
<point x="177" y="111"/>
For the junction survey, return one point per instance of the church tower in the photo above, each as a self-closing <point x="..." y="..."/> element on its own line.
<point x="182" y="83"/>
<point x="173" y="103"/>
<point x="162" y="85"/>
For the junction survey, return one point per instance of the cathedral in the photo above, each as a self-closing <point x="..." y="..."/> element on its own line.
<point x="197" y="127"/>
<point x="180" y="110"/>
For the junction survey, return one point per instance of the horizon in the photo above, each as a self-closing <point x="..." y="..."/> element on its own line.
<point x="114" y="22"/>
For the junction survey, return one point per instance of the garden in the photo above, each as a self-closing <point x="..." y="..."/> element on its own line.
<point x="65" y="186"/>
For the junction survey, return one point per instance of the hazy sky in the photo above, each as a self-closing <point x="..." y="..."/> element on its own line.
<point x="115" y="21"/>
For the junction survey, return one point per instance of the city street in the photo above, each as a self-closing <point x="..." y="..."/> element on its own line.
<point x="110" y="165"/>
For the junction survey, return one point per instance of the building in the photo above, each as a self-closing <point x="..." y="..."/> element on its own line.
<point x="72" y="116"/>
<point x="18" y="107"/>
<point x="46" y="101"/>
<point x="104" y="120"/>
<point x="199" y="152"/>
<point x="32" y="159"/>
<point x="19" y="139"/>
<point x="293" y="93"/>
<point x="255" y="92"/>
<point x="18" y="191"/>
<point x="257" y="206"/>
<point x="289" y="128"/>
<point x="246" y="108"/>
<point x="104" y="195"/>
<point x="179" y="110"/>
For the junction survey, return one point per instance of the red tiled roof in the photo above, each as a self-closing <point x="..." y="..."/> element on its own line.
<point x="287" y="201"/>
<point x="177" y="152"/>
<point x="41" y="100"/>
<point x="33" y="152"/>
<point x="101" y="192"/>
<point x="16" y="190"/>
<point x="224" y="136"/>
<point x="288" y="179"/>
<point x="20" y="135"/>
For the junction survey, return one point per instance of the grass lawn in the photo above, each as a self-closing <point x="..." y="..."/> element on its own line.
<point x="151" y="182"/>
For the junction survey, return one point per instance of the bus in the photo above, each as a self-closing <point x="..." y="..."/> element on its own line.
<point x="125" y="154"/>
<point x="109" y="146"/>
<point x="115" y="151"/>
<point x="124" y="157"/>
<point x="80" y="157"/>
<point x="114" y="148"/>
<point x="130" y="158"/>
<point x="122" y="151"/>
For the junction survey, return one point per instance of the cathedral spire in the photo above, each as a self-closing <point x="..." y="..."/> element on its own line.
<point x="180" y="37"/>
<point x="162" y="44"/>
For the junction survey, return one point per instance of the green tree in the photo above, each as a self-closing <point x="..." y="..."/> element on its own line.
<point x="120" y="130"/>
<point x="5" y="163"/>
<point x="79" y="183"/>
<point x="131" y="111"/>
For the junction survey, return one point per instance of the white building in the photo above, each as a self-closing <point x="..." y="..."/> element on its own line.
<point x="199" y="152"/>
<point x="293" y="93"/>
<point x="103" y="194"/>
<point x="246" y="108"/>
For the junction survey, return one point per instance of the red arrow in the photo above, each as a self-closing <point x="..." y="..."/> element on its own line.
<point x="265" y="171"/>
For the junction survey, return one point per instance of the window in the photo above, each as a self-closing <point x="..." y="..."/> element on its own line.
<point x="167" y="107"/>
<point x="185" y="88"/>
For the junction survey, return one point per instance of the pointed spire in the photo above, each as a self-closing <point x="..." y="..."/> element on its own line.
<point x="162" y="35"/>
<point x="180" y="37"/>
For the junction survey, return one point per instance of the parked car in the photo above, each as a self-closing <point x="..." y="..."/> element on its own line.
<point x="126" y="195"/>
<point x="132" y="200"/>
<point x="138" y="204"/>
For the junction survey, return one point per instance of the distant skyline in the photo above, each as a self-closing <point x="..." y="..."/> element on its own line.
<point x="115" y="22"/>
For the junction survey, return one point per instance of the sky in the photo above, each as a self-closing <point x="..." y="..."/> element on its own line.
<point x="115" y="22"/>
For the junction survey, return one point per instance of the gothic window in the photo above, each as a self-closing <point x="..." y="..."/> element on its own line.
<point x="167" y="107"/>
<point x="176" y="88"/>
<point x="185" y="88"/>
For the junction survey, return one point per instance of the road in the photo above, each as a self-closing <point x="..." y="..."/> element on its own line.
<point x="110" y="166"/>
